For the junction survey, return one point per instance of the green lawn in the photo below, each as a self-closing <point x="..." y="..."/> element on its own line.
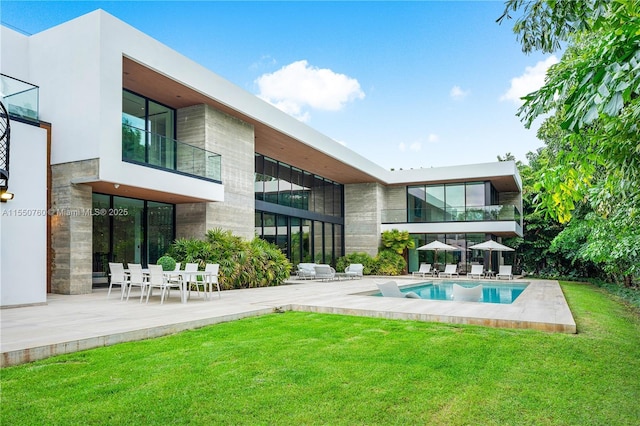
<point x="304" y="368"/>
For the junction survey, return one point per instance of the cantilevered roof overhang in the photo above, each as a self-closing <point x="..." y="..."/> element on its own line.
<point x="280" y="137"/>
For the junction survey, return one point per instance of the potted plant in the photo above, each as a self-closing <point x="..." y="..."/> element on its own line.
<point x="168" y="263"/>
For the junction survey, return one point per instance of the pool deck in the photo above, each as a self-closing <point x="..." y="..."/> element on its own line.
<point x="72" y="323"/>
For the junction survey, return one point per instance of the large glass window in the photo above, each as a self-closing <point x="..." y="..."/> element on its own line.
<point x="138" y="231"/>
<point x="148" y="131"/>
<point x="285" y="185"/>
<point x="417" y="205"/>
<point x="446" y="202"/>
<point x="454" y="198"/>
<point x="299" y="238"/>
<point x="435" y="203"/>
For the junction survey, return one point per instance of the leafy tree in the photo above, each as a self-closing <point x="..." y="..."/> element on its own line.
<point x="593" y="94"/>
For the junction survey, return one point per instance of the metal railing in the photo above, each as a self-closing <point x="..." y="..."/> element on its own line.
<point x="153" y="150"/>
<point x="452" y="214"/>
<point x="20" y="98"/>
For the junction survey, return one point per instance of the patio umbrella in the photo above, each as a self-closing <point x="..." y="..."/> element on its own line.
<point x="437" y="245"/>
<point x="491" y="246"/>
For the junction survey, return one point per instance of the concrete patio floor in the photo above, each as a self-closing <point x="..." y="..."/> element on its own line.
<point x="73" y="323"/>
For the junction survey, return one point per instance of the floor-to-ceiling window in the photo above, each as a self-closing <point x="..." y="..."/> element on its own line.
<point x="300" y="212"/>
<point x="148" y="131"/>
<point x="451" y="202"/>
<point x="130" y="231"/>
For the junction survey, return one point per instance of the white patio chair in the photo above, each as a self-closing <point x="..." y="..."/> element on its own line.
<point x="118" y="277"/>
<point x="157" y="279"/>
<point x="324" y="272"/>
<point x="505" y="272"/>
<point x="136" y="279"/>
<point x="306" y="271"/>
<point x="449" y="271"/>
<point x="424" y="270"/>
<point x="209" y="279"/>
<point x="477" y="271"/>
<point x="466" y="294"/>
<point x="354" y="270"/>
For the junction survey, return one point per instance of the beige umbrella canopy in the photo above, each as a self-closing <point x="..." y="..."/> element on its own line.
<point x="437" y="245"/>
<point x="491" y="246"/>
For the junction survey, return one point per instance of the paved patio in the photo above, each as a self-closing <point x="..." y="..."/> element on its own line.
<point x="73" y="323"/>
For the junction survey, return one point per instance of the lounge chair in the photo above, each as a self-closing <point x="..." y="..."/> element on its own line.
<point x="505" y="272"/>
<point x="425" y="269"/>
<point x="306" y="271"/>
<point x="391" y="289"/>
<point x="355" y="270"/>
<point x="466" y="294"/>
<point x="449" y="271"/>
<point x="477" y="271"/>
<point x="324" y="272"/>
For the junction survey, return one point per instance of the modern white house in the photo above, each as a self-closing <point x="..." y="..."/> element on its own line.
<point x="120" y="144"/>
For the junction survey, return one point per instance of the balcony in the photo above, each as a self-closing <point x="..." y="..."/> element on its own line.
<point x="20" y="98"/>
<point x="160" y="152"/>
<point x="453" y="214"/>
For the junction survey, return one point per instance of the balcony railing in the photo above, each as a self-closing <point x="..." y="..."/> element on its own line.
<point x="452" y="214"/>
<point x="153" y="150"/>
<point x="20" y="98"/>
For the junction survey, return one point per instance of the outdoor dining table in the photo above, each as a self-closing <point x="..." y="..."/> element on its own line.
<point x="182" y="279"/>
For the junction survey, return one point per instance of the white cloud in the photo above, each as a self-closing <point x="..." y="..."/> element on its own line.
<point x="458" y="94"/>
<point x="415" y="147"/>
<point x="433" y="138"/>
<point x="530" y="81"/>
<point x="298" y="86"/>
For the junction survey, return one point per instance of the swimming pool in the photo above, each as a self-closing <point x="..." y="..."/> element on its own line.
<point x="492" y="291"/>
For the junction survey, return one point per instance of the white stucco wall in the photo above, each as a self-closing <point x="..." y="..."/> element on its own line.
<point x="23" y="220"/>
<point x="14" y="60"/>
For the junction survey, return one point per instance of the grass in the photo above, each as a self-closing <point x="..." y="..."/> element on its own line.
<point x="304" y="368"/>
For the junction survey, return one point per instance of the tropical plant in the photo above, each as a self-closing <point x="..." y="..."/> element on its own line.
<point x="243" y="264"/>
<point x="593" y="94"/>
<point x="388" y="262"/>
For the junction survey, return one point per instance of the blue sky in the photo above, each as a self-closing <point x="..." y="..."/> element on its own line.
<point x="405" y="84"/>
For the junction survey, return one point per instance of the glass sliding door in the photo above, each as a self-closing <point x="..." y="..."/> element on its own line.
<point x="140" y="232"/>
<point x="101" y="235"/>
<point x="128" y="230"/>
<point x="160" y="225"/>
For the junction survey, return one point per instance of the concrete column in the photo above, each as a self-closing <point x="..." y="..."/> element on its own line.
<point x="362" y="216"/>
<point x="213" y="130"/>
<point x="72" y="228"/>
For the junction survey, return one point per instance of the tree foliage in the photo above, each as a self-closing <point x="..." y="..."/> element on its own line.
<point x="593" y="137"/>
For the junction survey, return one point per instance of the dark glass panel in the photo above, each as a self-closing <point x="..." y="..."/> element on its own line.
<point x="318" y="194"/>
<point x="328" y="197"/>
<point x="101" y="234"/>
<point x="435" y="203"/>
<point x="284" y="184"/>
<point x="259" y="177"/>
<point x="417" y="204"/>
<point x="297" y="189"/>
<point x="308" y="191"/>
<point x="306" y="241"/>
<point x="270" y="180"/>
<point x="128" y="230"/>
<point x="454" y="198"/>
<point x="160" y="228"/>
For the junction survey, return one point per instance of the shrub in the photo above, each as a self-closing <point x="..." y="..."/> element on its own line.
<point x="243" y="264"/>
<point x="389" y="263"/>
<point x="364" y="258"/>
<point x="168" y="263"/>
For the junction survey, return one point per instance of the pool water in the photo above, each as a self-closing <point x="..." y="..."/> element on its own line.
<point x="492" y="291"/>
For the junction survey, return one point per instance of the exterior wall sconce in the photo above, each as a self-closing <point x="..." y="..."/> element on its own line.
<point x="6" y="196"/>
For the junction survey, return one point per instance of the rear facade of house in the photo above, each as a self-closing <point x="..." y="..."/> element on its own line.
<point x="120" y="145"/>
